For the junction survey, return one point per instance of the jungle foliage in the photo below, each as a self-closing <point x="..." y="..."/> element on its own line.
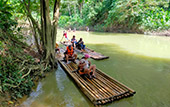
<point x="18" y="68"/>
<point x="116" y="15"/>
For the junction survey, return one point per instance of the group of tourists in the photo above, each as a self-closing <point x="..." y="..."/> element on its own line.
<point x="76" y="44"/>
<point x="85" y="69"/>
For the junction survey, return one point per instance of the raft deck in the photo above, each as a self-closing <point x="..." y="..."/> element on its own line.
<point x="94" y="55"/>
<point x="100" y="90"/>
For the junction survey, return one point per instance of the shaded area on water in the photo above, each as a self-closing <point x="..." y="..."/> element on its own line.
<point x="148" y="76"/>
<point x="56" y="90"/>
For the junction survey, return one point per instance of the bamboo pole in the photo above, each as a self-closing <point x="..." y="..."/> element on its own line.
<point x="102" y="87"/>
<point x="73" y="65"/>
<point x="97" y="89"/>
<point x="93" y="90"/>
<point x="118" y="83"/>
<point x="90" y="89"/>
<point x="88" y="93"/>
<point x="101" y="90"/>
<point x="115" y="90"/>
<point x="102" y="93"/>
<point x="118" y="89"/>
<point x="71" y="68"/>
<point x="112" y="96"/>
<point x="106" y="92"/>
<point x="120" y="95"/>
<point x="108" y="77"/>
<point x="116" y="94"/>
<point x="106" y="87"/>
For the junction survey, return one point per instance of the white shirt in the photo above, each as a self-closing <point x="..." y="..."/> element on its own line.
<point x="86" y="62"/>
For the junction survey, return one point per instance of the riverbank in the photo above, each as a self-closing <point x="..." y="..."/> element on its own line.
<point x="20" y="68"/>
<point x="159" y="33"/>
<point x="120" y="30"/>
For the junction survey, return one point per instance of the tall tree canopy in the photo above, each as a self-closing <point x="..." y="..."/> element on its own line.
<point x="44" y="25"/>
<point x="110" y="15"/>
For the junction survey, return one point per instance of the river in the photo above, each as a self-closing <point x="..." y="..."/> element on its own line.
<point x="141" y="62"/>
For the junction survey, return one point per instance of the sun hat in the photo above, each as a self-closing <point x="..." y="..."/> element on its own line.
<point x="86" y="56"/>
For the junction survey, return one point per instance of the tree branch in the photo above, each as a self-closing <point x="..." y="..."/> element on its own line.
<point x="30" y="16"/>
<point x="55" y="20"/>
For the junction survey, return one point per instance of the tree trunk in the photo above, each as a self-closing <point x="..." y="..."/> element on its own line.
<point x="35" y="37"/>
<point x="69" y="10"/>
<point x="34" y="24"/>
<point x="46" y="32"/>
<point x="49" y="31"/>
<point x="75" y="8"/>
<point x="80" y="7"/>
<point x="55" y="21"/>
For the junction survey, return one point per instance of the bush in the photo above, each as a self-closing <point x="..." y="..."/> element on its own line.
<point x="11" y="78"/>
<point x="155" y="19"/>
<point x="66" y="21"/>
<point x="11" y="75"/>
<point x="63" y="21"/>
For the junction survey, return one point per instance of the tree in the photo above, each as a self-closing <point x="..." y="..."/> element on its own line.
<point x="47" y="29"/>
<point x="80" y="6"/>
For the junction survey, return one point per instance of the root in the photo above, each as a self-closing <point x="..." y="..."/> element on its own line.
<point x="26" y="73"/>
<point x="13" y="86"/>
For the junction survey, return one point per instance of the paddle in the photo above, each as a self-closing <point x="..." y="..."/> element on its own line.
<point x="61" y="38"/>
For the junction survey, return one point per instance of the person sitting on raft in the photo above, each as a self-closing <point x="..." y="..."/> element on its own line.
<point x="80" y="44"/>
<point x="69" y="54"/>
<point x="85" y="67"/>
<point x="73" y="41"/>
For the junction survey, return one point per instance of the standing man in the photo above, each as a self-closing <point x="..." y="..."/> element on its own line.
<point x="65" y="35"/>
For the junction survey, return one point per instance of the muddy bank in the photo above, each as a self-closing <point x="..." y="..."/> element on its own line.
<point x="159" y="33"/>
<point x="103" y="29"/>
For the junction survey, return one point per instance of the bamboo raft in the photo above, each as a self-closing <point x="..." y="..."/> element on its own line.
<point x="94" y="55"/>
<point x="100" y="90"/>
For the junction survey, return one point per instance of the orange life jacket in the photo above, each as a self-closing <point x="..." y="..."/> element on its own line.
<point x="81" y="72"/>
<point x="70" y="52"/>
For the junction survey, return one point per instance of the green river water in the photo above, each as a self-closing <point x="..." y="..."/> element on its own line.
<point x="141" y="62"/>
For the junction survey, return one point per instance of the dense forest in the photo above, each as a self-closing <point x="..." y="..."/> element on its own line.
<point x="21" y="65"/>
<point x="116" y="15"/>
